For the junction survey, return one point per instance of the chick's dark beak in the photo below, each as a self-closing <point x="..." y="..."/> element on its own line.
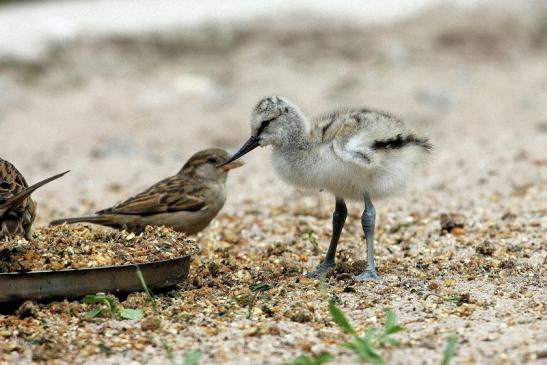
<point x="250" y="145"/>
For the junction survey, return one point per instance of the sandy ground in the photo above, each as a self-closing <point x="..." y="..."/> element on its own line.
<point x="124" y="112"/>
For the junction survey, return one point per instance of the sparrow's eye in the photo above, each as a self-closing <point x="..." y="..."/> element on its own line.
<point x="212" y="160"/>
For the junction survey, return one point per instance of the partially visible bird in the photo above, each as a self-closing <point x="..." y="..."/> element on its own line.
<point x="187" y="201"/>
<point x="357" y="154"/>
<point x="17" y="209"/>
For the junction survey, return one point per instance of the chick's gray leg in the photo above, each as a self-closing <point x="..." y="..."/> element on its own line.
<point x="338" y="220"/>
<point x="368" y="221"/>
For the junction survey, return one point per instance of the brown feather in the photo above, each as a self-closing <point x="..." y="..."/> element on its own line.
<point x="17" y="209"/>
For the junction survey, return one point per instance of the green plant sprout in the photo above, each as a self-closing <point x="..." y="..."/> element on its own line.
<point x="366" y="346"/>
<point x="450" y="349"/>
<point x="310" y="236"/>
<point x="320" y="359"/>
<point x="108" y="307"/>
<point x="149" y="294"/>
<point x="193" y="357"/>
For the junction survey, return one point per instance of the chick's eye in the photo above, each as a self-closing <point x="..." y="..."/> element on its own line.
<point x="265" y="123"/>
<point x="212" y="160"/>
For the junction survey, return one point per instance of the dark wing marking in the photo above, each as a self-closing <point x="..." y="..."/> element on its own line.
<point x="399" y="142"/>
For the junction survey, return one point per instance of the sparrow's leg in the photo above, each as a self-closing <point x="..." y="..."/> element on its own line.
<point x="368" y="221"/>
<point x="338" y="220"/>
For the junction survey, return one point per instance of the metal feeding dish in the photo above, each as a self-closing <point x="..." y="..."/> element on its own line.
<point x="17" y="287"/>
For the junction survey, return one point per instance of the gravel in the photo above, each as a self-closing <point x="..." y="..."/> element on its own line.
<point x="247" y="300"/>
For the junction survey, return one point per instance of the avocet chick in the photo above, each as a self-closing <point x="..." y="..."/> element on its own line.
<point x="356" y="154"/>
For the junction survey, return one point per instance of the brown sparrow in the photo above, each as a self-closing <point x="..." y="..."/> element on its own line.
<point x="187" y="201"/>
<point x="17" y="209"/>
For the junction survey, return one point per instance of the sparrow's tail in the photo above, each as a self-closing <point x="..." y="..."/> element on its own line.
<point x="22" y="195"/>
<point x="95" y="219"/>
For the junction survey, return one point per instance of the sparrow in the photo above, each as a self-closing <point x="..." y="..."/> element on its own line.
<point x="187" y="201"/>
<point x="17" y="209"/>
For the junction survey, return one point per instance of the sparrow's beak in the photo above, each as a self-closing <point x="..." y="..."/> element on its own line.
<point x="232" y="165"/>
<point x="250" y="145"/>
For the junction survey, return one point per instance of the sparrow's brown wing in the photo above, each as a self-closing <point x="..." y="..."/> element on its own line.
<point x="173" y="194"/>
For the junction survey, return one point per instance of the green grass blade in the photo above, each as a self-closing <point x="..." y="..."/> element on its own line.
<point x="193" y="357"/>
<point x="93" y="313"/>
<point x="450" y="349"/>
<point x="371" y="333"/>
<point x="395" y="329"/>
<point x="391" y="320"/>
<point x="302" y="360"/>
<point x="391" y="326"/>
<point x="92" y="298"/>
<point x="112" y="305"/>
<point x="168" y="351"/>
<point x="365" y="351"/>
<point x="110" y="300"/>
<point x="320" y="359"/>
<point x="340" y="319"/>
<point x="149" y="293"/>
<point x="391" y="341"/>
<point x="324" y="358"/>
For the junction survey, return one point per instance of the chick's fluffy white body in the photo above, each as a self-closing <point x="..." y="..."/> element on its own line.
<point x="354" y="153"/>
<point x="339" y="152"/>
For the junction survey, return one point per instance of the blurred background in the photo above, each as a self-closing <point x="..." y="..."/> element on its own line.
<point x="123" y="92"/>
